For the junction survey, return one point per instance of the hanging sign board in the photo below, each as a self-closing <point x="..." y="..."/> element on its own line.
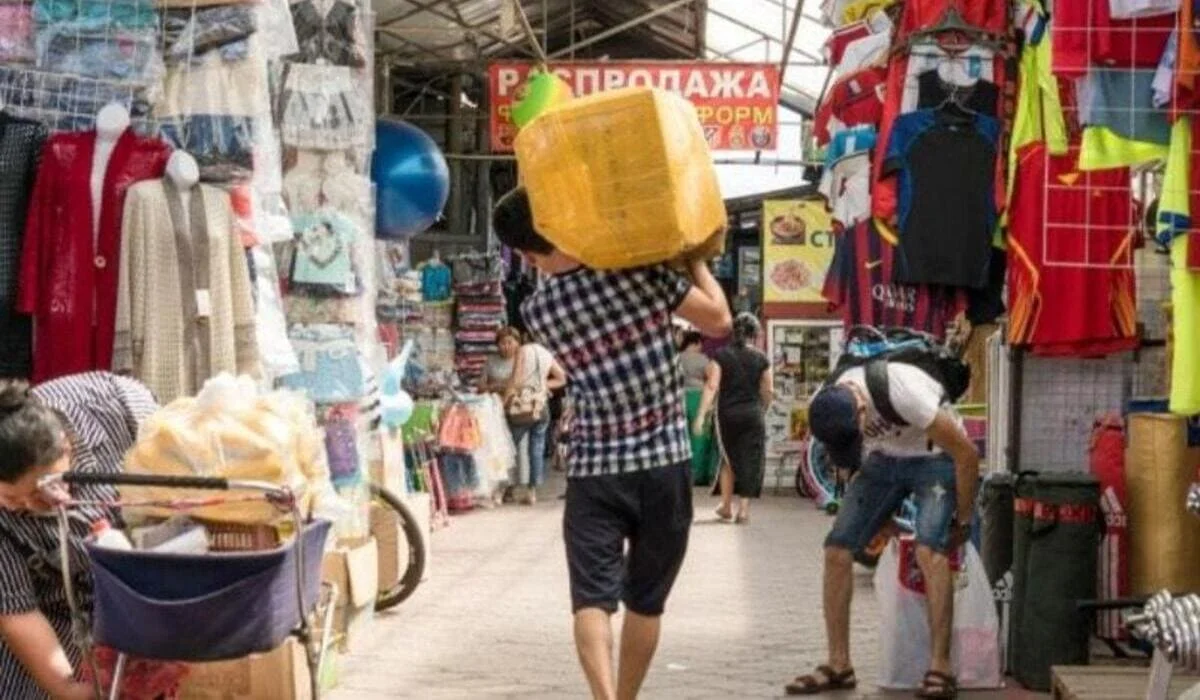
<point x="797" y="239"/>
<point x="737" y="102"/>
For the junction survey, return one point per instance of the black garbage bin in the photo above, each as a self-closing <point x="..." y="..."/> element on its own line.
<point x="996" y="525"/>
<point x="1056" y="534"/>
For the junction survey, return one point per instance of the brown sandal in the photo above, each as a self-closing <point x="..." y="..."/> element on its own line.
<point x="813" y="685"/>
<point x="938" y="686"/>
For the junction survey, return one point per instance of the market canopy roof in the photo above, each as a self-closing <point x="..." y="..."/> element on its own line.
<point x="416" y="32"/>
<point x="459" y="35"/>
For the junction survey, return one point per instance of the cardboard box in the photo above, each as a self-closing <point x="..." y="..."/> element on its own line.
<point x="281" y="674"/>
<point x="393" y="545"/>
<point x="355" y="571"/>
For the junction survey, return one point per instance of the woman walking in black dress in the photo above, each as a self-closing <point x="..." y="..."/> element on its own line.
<point x="739" y="378"/>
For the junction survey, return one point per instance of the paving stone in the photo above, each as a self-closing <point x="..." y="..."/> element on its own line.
<point x="494" y="620"/>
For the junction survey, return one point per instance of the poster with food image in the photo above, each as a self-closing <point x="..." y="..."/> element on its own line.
<point x="797" y="238"/>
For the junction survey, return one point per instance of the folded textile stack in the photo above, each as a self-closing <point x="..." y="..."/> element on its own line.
<point x="480" y="311"/>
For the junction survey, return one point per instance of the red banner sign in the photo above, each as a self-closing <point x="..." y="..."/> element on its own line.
<point x="737" y="102"/>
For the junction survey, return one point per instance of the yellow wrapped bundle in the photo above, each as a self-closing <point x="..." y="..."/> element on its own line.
<point x="622" y="179"/>
<point x="1164" y="537"/>
<point x="231" y="431"/>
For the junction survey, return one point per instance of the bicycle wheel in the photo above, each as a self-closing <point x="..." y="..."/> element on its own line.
<point x="411" y="578"/>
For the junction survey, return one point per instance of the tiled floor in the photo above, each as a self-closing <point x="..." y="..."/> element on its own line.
<point x="492" y="619"/>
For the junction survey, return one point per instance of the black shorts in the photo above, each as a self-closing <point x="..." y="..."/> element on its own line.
<point x="652" y="509"/>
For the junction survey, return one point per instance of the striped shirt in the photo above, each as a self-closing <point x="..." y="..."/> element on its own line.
<point x="860" y="284"/>
<point x="103" y="411"/>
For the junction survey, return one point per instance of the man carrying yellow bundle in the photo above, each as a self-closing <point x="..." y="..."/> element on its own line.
<point x="628" y="475"/>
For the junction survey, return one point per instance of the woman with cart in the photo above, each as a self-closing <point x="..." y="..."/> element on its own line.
<point x="80" y="423"/>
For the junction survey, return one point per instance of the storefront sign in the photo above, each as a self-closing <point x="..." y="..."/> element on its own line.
<point x="737" y="102"/>
<point x="797" y="237"/>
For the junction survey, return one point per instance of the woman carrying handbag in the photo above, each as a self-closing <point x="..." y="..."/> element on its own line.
<point x="534" y="374"/>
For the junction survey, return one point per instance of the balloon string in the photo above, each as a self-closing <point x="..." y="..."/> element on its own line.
<point x="529" y="34"/>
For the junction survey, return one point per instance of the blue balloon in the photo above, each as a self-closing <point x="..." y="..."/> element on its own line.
<point x="411" y="178"/>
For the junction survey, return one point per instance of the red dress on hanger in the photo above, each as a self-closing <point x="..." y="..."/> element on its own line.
<point x="68" y="284"/>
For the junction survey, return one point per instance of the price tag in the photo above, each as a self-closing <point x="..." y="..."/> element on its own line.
<point x="203" y="303"/>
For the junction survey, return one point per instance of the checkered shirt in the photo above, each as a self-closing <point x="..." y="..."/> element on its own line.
<point x="611" y="332"/>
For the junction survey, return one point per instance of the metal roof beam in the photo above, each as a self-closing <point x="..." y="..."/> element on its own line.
<point x="624" y="26"/>
<point x="432" y="8"/>
<point x="750" y="28"/>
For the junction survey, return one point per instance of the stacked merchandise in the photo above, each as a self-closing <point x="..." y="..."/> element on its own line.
<point x="161" y="122"/>
<point x="480" y="312"/>
<point x="411" y="306"/>
<point x="326" y="129"/>
<point x="913" y="127"/>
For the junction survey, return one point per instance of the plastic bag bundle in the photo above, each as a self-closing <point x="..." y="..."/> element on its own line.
<point x="231" y="430"/>
<point x="622" y="178"/>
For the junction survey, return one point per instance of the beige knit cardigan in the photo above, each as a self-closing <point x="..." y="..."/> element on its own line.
<point x="161" y="336"/>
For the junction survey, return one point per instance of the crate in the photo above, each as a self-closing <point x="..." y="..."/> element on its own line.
<point x="1111" y="683"/>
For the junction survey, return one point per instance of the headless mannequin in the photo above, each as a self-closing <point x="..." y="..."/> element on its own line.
<point x="184" y="174"/>
<point x="111" y="121"/>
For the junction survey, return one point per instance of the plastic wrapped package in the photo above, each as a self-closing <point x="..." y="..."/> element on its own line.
<point x="277" y="29"/>
<point x="327" y="179"/>
<point x="190" y="33"/>
<point x="323" y="108"/>
<point x="67" y="102"/>
<point x="496" y="454"/>
<point x="622" y="178"/>
<point x="97" y="16"/>
<point x="274" y="348"/>
<point x="16" y="34"/>
<point x="232" y="430"/>
<point x="127" y="55"/>
<point x="212" y="108"/>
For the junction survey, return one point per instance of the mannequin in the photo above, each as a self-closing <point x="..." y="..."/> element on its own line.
<point x="184" y="173"/>
<point x="111" y="121"/>
<point x="72" y="244"/>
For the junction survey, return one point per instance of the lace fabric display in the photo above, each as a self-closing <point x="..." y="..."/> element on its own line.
<point x="322" y="108"/>
<point x="330" y="32"/>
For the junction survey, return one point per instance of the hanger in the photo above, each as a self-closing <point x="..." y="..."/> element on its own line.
<point x="952" y="102"/>
<point x="952" y="21"/>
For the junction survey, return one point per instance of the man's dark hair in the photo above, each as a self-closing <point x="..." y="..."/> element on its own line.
<point x="691" y="338"/>
<point x="513" y="220"/>
<point x="32" y="434"/>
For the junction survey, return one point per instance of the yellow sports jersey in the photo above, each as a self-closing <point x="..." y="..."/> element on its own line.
<point x="1185" y="360"/>
<point x="1104" y="149"/>
<point x="1174" y="206"/>
<point x="862" y="9"/>
<point x="1039" y="114"/>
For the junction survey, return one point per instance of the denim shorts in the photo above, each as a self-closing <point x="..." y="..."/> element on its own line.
<point x="877" y="491"/>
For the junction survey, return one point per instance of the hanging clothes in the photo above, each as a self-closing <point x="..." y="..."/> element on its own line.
<point x="185" y="311"/>
<point x="68" y="271"/>
<point x="1070" y="294"/>
<point x="20" y="143"/>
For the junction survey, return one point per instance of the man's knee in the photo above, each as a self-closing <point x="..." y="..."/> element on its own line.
<point x="929" y="557"/>
<point x="838" y="557"/>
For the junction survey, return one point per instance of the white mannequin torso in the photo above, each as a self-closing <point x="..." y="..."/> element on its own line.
<point x="111" y="122"/>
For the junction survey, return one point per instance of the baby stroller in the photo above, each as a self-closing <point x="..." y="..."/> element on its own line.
<point x="147" y="604"/>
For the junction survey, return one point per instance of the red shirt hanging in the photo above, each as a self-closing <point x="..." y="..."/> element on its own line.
<point x="854" y="100"/>
<point x="68" y="283"/>
<point x="1070" y="276"/>
<point x="1084" y="34"/>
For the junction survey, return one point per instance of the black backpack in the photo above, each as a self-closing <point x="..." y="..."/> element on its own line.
<point x="874" y="348"/>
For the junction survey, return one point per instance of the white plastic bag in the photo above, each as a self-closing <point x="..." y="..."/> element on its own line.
<point x="904" y="637"/>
